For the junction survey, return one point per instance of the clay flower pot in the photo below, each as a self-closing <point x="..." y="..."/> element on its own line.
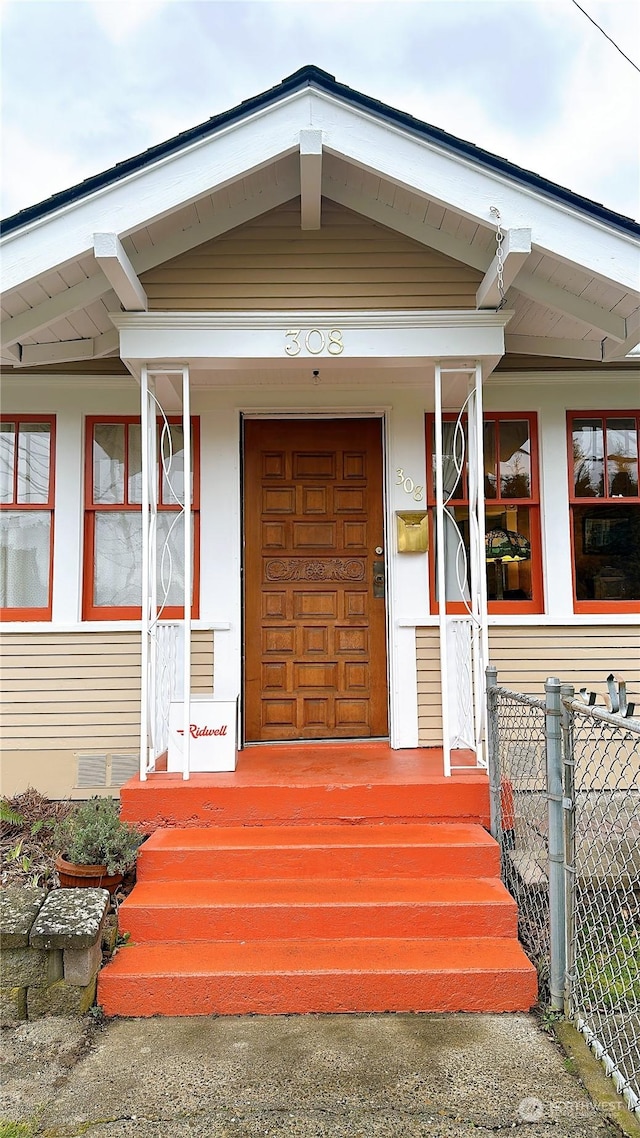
<point x="74" y="876"/>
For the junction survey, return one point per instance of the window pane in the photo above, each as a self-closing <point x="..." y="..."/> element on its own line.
<point x="515" y="459"/>
<point x="509" y="579"/>
<point x="606" y="540"/>
<point x="7" y="459"/>
<point x="170" y="574"/>
<point x="134" y="488"/>
<point x="506" y="580"/>
<point x="25" y="547"/>
<point x="622" y="458"/>
<point x="490" y="482"/>
<point x="118" y="558"/>
<point x="588" y="458"/>
<point x="453" y="460"/>
<point x="171" y="447"/>
<point x="34" y="451"/>
<point x="108" y="463"/>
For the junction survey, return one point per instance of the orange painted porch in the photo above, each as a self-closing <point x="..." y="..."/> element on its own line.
<point x="297" y="783"/>
<point x="318" y="877"/>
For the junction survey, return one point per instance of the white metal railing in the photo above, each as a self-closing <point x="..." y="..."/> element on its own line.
<point x="463" y="639"/>
<point x="160" y="648"/>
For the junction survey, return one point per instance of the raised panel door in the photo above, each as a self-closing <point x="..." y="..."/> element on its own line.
<point x="315" y="640"/>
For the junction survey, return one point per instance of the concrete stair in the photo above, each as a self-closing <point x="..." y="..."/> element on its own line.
<point x="318" y="917"/>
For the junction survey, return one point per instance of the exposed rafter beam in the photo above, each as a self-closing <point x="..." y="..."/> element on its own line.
<point x="68" y="351"/>
<point x="547" y="346"/>
<point x="10" y="355"/>
<point x="516" y="247"/>
<point x="310" y="178"/>
<point x="120" y="273"/>
<point x="410" y="226"/>
<point x="613" y="350"/>
<point x="62" y="304"/>
<point x="571" y="305"/>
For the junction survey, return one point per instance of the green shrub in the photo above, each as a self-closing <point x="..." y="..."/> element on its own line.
<point x="93" y="834"/>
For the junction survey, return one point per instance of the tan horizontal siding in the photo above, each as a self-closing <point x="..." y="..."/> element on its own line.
<point x="271" y="263"/>
<point x="429" y="709"/>
<point x="80" y="691"/>
<point x="525" y="657"/>
<point x="580" y="656"/>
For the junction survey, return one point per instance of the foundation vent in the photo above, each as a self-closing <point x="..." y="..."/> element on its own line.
<point x="96" y="771"/>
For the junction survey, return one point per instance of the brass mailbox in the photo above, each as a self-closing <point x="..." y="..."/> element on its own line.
<point x="413" y="531"/>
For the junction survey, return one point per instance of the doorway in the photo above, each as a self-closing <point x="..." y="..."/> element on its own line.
<point x="314" y="591"/>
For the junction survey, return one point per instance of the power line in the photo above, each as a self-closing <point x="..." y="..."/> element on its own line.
<point x="596" y="25"/>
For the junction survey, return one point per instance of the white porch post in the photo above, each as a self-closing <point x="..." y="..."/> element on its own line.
<point x="149" y="508"/>
<point x="159" y="662"/>
<point x="186" y="431"/>
<point x="479" y="632"/>
<point x="441" y="575"/>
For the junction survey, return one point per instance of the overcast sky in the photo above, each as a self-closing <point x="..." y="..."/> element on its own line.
<point x="87" y="83"/>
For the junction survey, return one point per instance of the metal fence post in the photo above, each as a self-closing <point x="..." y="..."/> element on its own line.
<point x="567" y="694"/>
<point x="557" y="969"/>
<point x="493" y="753"/>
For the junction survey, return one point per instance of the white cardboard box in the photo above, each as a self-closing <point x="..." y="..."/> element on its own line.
<point x="213" y="742"/>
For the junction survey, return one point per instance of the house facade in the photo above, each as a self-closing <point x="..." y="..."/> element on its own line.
<point x="355" y="341"/>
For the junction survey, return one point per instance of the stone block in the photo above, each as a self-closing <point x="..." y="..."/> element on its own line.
<point x="70" y="918"/>
<point x="26" y="967"/>
<point x="19" y="907"/>
<point x="61" y="999"/>
<point x="82" y="964"/>
<point x="13" y="1004"/>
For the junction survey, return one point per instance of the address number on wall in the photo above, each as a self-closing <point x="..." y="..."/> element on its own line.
<point x="409" y="486"/>
<point x="314" y="342"/>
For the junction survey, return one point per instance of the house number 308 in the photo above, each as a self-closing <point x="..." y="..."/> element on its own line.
<point x="408" y="485"/>
<point x="315" y="342"/>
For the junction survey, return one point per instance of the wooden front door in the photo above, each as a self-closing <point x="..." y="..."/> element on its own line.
<point x="315" y="644"/>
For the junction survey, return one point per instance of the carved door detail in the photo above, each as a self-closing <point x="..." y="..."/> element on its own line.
<point x="315" y="645"/>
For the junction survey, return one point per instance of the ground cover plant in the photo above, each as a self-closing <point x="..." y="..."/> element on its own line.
<point x="27" y="844"/>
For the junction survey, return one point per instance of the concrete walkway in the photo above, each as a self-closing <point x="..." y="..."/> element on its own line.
<point x="334" y="1076"/>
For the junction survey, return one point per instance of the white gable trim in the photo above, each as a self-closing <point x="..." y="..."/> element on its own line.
<point x="461" y="185"/>
<point x="350" y="133"/>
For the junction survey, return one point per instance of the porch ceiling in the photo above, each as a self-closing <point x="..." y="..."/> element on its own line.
<point x="560" y="308"/>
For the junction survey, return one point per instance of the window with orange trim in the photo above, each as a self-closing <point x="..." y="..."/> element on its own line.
<point x="512" y="514"/>
<point x="27" y="444"/>
<point x="113" y="518"/>
<point x="604" y="501"/>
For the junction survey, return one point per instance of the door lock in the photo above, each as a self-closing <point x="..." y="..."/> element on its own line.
<point x="378" y="579"/>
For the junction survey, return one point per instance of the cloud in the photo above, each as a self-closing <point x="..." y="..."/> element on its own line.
<point x="531" y="80"/>
<point x="119" y="20"/>
<point x="33" y="170"/>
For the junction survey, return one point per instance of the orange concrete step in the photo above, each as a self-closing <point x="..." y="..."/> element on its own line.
<point x="297" y="976"/>
<point x="434" y="850"/>
<point x="298" y="784"/>
<point x="351" y="907"/>
<point x="165" y="800"/>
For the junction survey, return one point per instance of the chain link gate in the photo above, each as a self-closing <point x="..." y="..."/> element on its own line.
<point x="565" y="809"/>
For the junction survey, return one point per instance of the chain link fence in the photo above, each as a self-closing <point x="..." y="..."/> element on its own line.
<point x="565" y="809"/>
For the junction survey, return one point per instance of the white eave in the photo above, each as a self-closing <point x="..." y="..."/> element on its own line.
<point x="574" y="280"/>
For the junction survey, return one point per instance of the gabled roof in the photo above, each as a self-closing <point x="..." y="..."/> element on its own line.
<point x="315" y="77"/>
<point x="571" y="266"/>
